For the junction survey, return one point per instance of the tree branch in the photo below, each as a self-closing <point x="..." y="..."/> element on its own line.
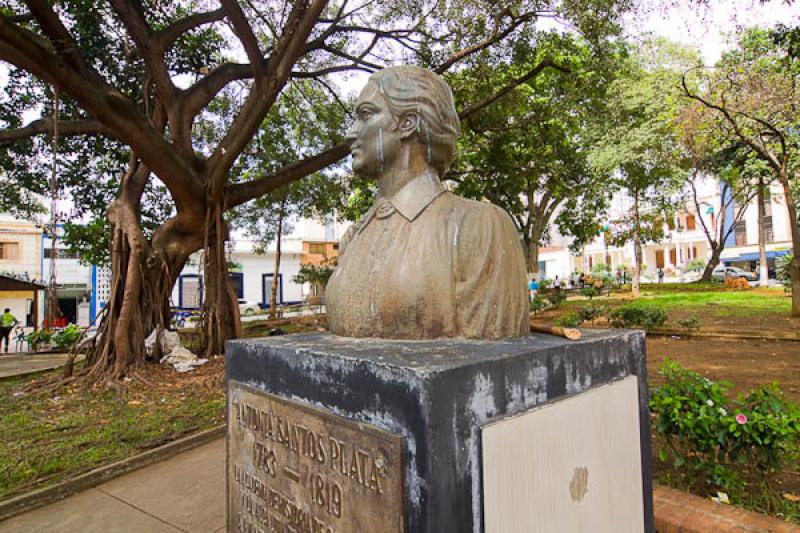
<point x="243" y="30"/>
<point x="45" y="125"/>
<point x="164" y="38"/>
<point x="288" y="49"/>
<point x="757" y="147"/>
<point x="495" y="36"/>
<point x="239" y="193"/>
<point x="469" y="110"/>
<point x="63" y="43"/>
<point x="132" y="17"/>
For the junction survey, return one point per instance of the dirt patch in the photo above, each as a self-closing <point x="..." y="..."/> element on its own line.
<point x="744" y="363"/>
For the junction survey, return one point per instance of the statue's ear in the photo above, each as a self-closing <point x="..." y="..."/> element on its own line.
<point x="408" y="125"/>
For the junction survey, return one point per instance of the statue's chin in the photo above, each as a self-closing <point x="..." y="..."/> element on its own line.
<point x="363" y="169"/>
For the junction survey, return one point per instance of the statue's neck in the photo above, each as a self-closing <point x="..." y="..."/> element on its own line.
<point x="410" y="165"/>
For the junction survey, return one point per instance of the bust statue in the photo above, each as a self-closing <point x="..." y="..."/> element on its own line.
<point x="423" y="263"/>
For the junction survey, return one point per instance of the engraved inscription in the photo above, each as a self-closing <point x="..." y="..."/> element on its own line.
<point x="297" y="469"/>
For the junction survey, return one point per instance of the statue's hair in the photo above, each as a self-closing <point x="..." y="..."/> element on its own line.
<point x="408" y="89"/>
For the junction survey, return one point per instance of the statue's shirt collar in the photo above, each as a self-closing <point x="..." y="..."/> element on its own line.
<point x="409" y="201"/>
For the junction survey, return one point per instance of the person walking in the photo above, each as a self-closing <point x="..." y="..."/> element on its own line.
<point x="533" y="286"/>
<point x="661" y="275"/>
<point x="7" y="323"/>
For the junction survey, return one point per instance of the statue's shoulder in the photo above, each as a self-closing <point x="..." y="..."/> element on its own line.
<point x="477" y="211"/>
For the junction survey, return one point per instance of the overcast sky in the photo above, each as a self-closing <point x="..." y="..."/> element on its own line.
<point x="707" y="28"/>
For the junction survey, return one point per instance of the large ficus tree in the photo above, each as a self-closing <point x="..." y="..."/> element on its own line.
<point x="145" y="75"/>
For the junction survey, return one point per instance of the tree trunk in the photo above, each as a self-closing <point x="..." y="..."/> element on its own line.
<point x="794" y="267"/>
<point x="221" y="305"/>
<point x="763" y="279"/>
<point x="713" y="261"/>
<point x="273" y="296"/>
<point x="142" y="277"/>
<point x="637" y="250"/>
<point x="533" y="257"/>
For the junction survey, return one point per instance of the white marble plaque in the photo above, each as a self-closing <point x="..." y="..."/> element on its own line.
<point x="570" y="466"/>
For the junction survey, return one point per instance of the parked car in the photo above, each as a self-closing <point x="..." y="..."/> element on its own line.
<point x="721" y="271"/>
<point x="248" y="308"/>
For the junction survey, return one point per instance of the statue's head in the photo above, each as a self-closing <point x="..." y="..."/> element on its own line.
<point x="403" y="105"/>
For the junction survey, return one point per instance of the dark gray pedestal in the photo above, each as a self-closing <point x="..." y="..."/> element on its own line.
<point x="437" y="395"/>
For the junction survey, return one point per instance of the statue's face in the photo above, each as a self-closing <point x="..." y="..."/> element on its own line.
<point x="373" y="137"/>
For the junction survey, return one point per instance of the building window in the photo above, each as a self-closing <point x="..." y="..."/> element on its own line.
<point x="316" y="248"/>
<point x="61" y="253"/>
<point x="690" y="224"/>
<point x="9" y="250"/>
<point x="741" y="233"/>
<point x="769" y="234"/>
<point x="190" y="292"/>
<point x="673" y="256"/>
<point x="659" y="258"/>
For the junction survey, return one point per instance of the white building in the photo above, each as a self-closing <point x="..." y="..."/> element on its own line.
<point x="684" y="239"/>
<point x="309" y="242"/>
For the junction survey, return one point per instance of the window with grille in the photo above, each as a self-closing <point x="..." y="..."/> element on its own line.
<point x="316" y="248"/>
<point x="690" y="224"/>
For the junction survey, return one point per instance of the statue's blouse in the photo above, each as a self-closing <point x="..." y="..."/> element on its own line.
<point x="428" y="264"/>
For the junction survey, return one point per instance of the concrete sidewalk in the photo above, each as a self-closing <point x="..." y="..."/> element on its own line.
<point x="19" y="364"/>
<point x="184" y="493"/>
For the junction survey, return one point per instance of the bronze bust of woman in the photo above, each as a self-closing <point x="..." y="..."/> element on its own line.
<point x="423" y="263"/>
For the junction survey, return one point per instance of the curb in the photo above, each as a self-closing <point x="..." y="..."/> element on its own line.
<point x="37" y="498"/>
<point x="680" y="512"/>
<point x="777" y="336"/>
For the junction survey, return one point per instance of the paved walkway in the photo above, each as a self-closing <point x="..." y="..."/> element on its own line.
<point x="15" y="364"/>
<point x="185" y="493"/>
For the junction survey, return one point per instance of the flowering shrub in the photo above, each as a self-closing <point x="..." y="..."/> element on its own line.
<point x="719" y="443"/>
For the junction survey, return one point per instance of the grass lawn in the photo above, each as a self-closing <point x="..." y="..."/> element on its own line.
<point x="751" y="309"/>
<point x="49" y="436"/>
<point x="722" y="302"/>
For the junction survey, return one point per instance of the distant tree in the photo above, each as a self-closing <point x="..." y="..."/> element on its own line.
<point x="528" y="151"/>
<point x="753" y="90"/>
<point x="641" y="145"/>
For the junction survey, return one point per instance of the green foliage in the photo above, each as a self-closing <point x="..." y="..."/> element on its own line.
<point x="783" y="269"/>
<point x="591" y="312"/>
<point x="65" y="338"/>
<point x="695" y="264"/>
<point x="569" y="320"/>
<point x="555" y="297"/>
<point x="637" y="316"/>
<point x="537" y="304"/>
<point x="528" y="151"/>
<point x="590" y="292"/>
<point x="719" y="443"/>
<point x="314" y="274"/>
<point x="688" y="324"/>
<point x="39" y="337"/>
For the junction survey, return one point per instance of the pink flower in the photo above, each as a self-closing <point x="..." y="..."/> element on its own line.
<point x="741" y="419"/>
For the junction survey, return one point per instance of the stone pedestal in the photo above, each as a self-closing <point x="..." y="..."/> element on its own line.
<point x="336" y="435"/>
